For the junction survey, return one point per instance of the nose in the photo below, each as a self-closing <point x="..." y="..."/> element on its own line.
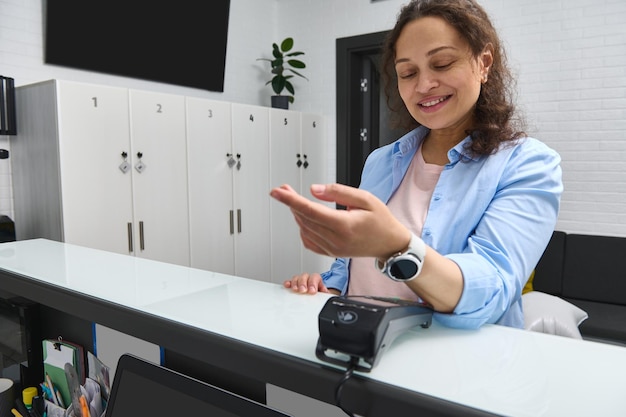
<point x="426" y="81"/>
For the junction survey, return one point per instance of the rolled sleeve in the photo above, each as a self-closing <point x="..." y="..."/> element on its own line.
<point x="337" y="276"/>
<point x="508" y="239"/>
<point x="485" y="296"/>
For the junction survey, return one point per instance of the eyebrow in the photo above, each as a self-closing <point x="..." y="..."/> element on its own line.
<point x="429" y="53"/>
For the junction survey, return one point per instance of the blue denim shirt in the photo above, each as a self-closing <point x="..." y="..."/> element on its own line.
<point x="492" y="215"/>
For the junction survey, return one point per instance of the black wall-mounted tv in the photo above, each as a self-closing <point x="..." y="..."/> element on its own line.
<point x="181" y="42"/>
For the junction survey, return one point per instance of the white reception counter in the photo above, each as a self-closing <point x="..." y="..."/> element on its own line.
<point x="270" y="333"/>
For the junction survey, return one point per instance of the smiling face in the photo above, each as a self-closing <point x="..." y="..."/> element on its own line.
<point x="438" y="78"/>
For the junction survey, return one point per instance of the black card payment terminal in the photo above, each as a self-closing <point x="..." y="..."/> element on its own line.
<point x="363" y="327"/>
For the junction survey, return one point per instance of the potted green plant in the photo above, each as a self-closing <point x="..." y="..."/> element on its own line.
<point x="283" y="67"/>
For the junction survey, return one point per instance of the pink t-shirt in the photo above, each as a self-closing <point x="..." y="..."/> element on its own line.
<point x="409" y="205"/>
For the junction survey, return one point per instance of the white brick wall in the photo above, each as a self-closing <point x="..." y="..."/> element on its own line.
<point x="571" y="61"/>
<point x="570" y="57"/>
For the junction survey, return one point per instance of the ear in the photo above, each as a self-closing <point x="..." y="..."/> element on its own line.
<point x="485" y="60"/>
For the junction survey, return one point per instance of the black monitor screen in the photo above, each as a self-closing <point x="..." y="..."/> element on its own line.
<point x="181" y="42"/>
<point x="141" y="388"/>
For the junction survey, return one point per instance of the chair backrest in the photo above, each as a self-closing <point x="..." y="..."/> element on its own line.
<point x="549" y="270"/>
<point x="595" y="268"/>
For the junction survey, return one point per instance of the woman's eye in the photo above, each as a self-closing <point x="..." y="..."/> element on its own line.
<point x="406" y="75"/>
<point x="442" y="66"/>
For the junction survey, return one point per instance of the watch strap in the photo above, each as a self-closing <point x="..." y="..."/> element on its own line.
<point x="416" y="251"/>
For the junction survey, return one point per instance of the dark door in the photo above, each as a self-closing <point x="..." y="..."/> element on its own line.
<point x="362" y="114"/>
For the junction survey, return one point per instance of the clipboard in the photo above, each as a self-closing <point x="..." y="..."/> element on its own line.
<point x="79" y="364"/>
<point x="56" y="353"/>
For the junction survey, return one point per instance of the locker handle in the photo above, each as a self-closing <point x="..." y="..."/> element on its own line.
<point x="129" y="228"/>
<point x="232" y="222"/>
<point x="141" y="242"/>
<point x="238" y="220"/>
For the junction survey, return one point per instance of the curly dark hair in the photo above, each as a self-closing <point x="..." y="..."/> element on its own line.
<point x="496" y="119"/>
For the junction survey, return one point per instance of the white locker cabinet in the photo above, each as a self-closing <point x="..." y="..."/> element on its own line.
<point x="251" y="187"/>
<point x="228" y="163"/>
<point x="171" y="178"/>
<point x="75" y="174"/>
<point x="313" y="150"/>
<point x="286" y="161"/>
<point x="65" y="165"/>
<point x="159" y="155"/>
<point x="211" y="211"/>
<point x="297" y="158"/>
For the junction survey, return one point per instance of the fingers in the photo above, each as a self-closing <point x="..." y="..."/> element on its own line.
<point x="316" y="238"/>
<point x="343" y="195"/>
<point x="367" y="228"/>
<point x="318" y="223"/>
<point x="288" y="196"/>
<point x="284" y="193"/>
<point x="306" y="284"/>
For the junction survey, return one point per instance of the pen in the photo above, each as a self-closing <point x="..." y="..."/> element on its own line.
<point x="84" y="407"/>
<point x="16" y="413"/>
<point x="58" y="397"/>
<point x="46" y="391"/>
<point x="51" y="388"/>
<point x="21" y="408"/>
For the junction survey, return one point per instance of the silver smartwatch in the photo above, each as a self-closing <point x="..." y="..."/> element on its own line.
<point x="407" y="265"/>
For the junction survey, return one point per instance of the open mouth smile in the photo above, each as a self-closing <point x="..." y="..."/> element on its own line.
<point x="431" y="103"/>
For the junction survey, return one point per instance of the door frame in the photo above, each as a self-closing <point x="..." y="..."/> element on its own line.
<point x="350" y="53"/>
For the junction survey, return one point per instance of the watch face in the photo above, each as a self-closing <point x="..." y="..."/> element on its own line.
<point x="404" y="269"/>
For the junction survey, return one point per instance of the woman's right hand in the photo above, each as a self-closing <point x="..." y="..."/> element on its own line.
<point x="308" y="284"/>
<point x="366" y="228"/>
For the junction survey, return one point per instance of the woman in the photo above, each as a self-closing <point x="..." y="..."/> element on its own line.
<point x="464" y="200"/>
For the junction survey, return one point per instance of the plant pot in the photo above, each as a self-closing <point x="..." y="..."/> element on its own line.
<point x="280" y="102"/>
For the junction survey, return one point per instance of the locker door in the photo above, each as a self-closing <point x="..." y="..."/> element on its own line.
<point x="210" y="167"/>
<point x="250" y="127"/>
<point x="286" y="163"/>
<point x="94" y="142"/>
<point x="313" y="148"/>
<point x="159" y="153"/>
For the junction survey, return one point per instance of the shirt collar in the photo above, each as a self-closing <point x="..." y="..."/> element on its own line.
<point x="461" y="151"/>
<point x="408" y="143"/>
